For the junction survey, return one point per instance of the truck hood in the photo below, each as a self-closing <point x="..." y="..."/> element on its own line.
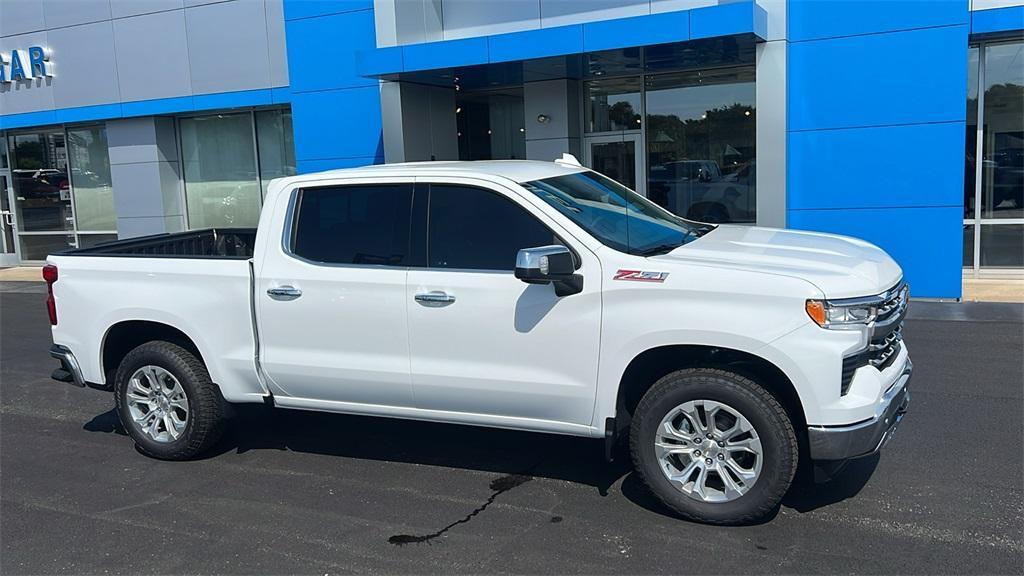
<point x="840" y="266"/>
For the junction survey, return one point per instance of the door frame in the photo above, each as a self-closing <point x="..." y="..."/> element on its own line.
<point x="639" y="160"/>
<point x="9" y="255"/>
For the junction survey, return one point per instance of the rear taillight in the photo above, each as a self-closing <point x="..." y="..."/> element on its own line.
<point x="50" y="275"/>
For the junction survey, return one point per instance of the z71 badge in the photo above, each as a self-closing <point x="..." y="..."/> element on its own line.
<point x="640" y="276"/>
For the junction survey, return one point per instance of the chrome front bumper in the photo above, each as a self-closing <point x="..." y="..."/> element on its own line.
<point x="69" y="370"/>
<point x="863" y="438"/>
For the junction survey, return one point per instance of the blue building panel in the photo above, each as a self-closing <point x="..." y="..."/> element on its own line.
<point x="817" y="19"/>
<point x="542" y="43"/>
<point x="881" y="79"/>
<point x="309" y="166"/>
<point x="926" y="242"/>
<point x="728" y="19"/>
<point x="637" y="31"/>
<point x="233" y="99"/>
<point x="343" y="123"/>
<point x="447" y="54"/>
<point x="998" y="20"/>
<point x="156" y="106"/>
<point x="322" y="50"/>
<point x="892" y="166"/>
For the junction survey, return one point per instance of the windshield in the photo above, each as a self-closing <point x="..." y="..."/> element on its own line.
<point x="615" y="215"/>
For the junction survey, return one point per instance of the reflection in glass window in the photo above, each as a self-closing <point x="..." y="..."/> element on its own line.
<point x="222" y="187"/>
<point x="90" y="179"/>
<point x="42" y="192"/>
<point x="613" y="104"/>
<point x="1002" y="176"/>
<point x="276" y="145"/>
<point x="491" y="125"/>
<point x="701" y="144"/>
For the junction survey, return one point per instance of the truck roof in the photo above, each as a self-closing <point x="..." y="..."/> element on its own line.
<point x="517" y="170"/>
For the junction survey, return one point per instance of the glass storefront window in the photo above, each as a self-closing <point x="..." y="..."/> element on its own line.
<point x="90" y="179"/>
<point x="613" y="104"/>
<point x="276" y="144"/>
<point x="1002" y="176"/>
<point x="970" y="161"/>
<point x="38" y="246"/>
<point x="994" y="177"/>
<point x="491" y="125"/>
<point x="42" y="191"/>
<point x="222" y="187"/>
<point x="701" y="144"/>
<point x="1002" y="246"/>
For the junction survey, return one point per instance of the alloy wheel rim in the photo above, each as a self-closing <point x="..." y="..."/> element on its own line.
<point x="709" y="451"/>
<point x="158" y="404"/>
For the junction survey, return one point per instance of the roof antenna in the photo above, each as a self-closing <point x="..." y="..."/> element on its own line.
<point x="568" y="160"/>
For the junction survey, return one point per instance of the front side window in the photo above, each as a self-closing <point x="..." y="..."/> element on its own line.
<point x="615" y="215"/>
<point x="476" y="229"/>
<point x="367" y="224"/>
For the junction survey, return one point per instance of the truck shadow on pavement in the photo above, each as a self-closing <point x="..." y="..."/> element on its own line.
<point x="508" y="452"/>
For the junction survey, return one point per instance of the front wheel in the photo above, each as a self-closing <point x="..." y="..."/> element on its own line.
<point x="714" y="446"/>
<point x="166" y="401"/>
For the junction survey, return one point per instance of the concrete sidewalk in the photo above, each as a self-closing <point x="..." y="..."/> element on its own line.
<point x="21" y="274"/>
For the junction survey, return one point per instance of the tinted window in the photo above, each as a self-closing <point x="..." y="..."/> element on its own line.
<point x="614" y="214"/>
<point x="477" y="229"/>
<point x="354" y="224"/>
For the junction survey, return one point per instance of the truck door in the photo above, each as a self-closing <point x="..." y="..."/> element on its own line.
<point x="482" y="341"/>
<point x="331" y="295"/>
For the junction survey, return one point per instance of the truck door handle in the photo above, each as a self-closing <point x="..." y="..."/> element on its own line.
<point x="284" y="293"/>
<point x="435" y="298"/>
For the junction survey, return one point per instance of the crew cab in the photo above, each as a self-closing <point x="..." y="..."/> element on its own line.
<point x="537" y="296"/>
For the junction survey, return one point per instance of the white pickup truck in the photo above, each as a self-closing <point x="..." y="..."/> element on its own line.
<point x="537" y="296"/>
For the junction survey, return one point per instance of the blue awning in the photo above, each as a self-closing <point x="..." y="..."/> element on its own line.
<point x="736" y="18"/>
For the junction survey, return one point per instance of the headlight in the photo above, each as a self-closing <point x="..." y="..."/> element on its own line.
<point x="841" y="316"/>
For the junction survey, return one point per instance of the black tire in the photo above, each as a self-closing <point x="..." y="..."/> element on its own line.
<point x="757" y="405"/>
<point x="206" y="407"/>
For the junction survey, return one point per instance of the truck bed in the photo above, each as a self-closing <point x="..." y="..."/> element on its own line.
<point x="220" y="243"/>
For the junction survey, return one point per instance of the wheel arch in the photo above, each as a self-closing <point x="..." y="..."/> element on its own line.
<point x="124" y="336"/>
<point x="650" y="365"/>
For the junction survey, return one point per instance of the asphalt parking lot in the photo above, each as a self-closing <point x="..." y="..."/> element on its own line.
<point x="291" y="492"/>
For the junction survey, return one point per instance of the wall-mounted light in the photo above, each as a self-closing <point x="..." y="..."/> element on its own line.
<point x="543" y="118"/>
<point x="458" y="109"/>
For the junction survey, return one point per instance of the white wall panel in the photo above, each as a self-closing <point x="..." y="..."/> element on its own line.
<point x="152" y="56"/>
<point x="32" y="95"/>
<point x="276" y="46"/>
<point x="468" y="18"/>
<point x="124" y="8"/>
<point x="85" y="73"/>
<point x="217" y="65"/>
<point x="60" y="13"/>
<point x="563" y="12"/>
<point x="20" y="17"/>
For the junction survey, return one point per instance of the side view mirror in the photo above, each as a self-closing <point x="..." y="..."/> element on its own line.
<point x="549" y="265"/>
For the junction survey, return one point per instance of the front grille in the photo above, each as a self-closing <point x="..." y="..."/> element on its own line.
<point x="886" y="336"/>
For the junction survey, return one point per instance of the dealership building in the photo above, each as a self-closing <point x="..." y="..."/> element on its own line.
<point x="900" y="122"/>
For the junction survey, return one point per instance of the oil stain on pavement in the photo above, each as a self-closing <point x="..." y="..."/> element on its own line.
<point x="499" y="487"/>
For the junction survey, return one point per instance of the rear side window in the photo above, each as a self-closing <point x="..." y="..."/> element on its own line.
<point x="367" y="224"/>
<point x="476" y="229"/>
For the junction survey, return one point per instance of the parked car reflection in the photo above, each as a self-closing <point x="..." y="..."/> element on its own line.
<point x="697" y="190"/>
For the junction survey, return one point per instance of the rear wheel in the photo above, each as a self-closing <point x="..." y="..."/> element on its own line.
<point x="167" y="402"/>
<point x="714" y="446"/>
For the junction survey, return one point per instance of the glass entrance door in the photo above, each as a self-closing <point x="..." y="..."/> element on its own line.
<point x="617" y="157"/>
<point x="8" y="255"/>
